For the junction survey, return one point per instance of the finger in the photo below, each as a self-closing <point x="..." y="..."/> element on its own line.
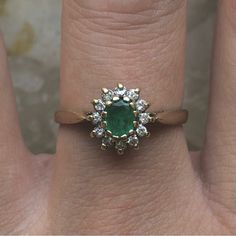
<point x="13" y="154"/>
<point x="14" y="157"/>
<point x="11" y="142"/>
<point x="219" y="156"/>
<point x="140" y="44"/>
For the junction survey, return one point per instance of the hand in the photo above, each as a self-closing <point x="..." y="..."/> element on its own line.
<point x="162" y="188"/>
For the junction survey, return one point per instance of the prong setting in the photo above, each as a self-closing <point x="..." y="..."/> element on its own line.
<point x="136" y="124"/>
<point x="132" y="105"/>
<point x="124" y="137"/>
<point x="108" y="103"/>
<point x="115" y="99"/>
<point x="120" y="86"/>
<point x="105" y="90"/>
<point x="103" y="147"/>
<point x="104" y="124"/>
<point x="136" y="113"/>
<point x="92" y="134"/>
<point x="104" y="114"/>
<point x="95" y="101"/>
<point x="126" y="99"/>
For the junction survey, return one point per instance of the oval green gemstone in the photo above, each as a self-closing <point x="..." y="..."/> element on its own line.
<point x="120" y="118"/>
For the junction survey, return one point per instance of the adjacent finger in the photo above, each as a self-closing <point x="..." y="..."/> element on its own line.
<point x="14" y="157"/>
<point x="219" y="155"/>
<point x="11" y="142"/>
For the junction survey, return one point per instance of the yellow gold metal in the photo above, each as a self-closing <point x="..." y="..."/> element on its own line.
<point x="95" y="101"/>
<point x="105" y="90"/>
<point x="126" y="99"/>
<point x="147" y="106"/>
<point x="115" y="137"/>
<point x="131" y="132"/>
<point x="104" y="114"/>
<point x="115" y="99"/>
<point x="89" y="117"/>
<point x="92" y="134"/>
<point x="109" y="133"/>
<point x="103" y="147"/>
<point x="69" y="117"/>
<point x="104" y="124"/>
<point x="124" y="137"/>
<point x="135" y="124"/>
<point x="132" y="105"/>
<point x="108" y="103"/>
<point x="120" y="86"/>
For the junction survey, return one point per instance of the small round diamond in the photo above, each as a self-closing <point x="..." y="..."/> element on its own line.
<point x="98" y="132"/>
<point x="141" y="105"/>
<point x="108" y="96"/>
<point x="131" y="94"/>
<point x="144" y="118"/>
<point x="141" y="131"/>
<point x="99" y="106"/>
<point x="133" y="140"/>
<point x="120" y="91"/>
<point x="107" y="141"/>
<point x="96" y="118"/>
<point x="121" y="145"/>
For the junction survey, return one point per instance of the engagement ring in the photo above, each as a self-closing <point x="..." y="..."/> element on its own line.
<point x="120" y="117"/>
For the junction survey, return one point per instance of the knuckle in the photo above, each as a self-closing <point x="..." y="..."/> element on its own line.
<point x="117" y="24"/>
<point x="123" y="40"/>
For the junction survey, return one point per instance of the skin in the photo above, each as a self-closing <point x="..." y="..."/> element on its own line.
<point x="161" y="189"/>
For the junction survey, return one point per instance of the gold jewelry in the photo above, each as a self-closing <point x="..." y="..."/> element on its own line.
<point x="120" y="117"/>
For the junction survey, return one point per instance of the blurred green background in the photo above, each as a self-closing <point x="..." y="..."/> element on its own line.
<point x="32" y="34"/>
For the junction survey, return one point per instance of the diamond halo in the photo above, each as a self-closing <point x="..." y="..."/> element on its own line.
<point x="119" y="118"/>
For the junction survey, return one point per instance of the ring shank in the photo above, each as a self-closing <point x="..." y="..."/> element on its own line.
<point x="177" y="117"/>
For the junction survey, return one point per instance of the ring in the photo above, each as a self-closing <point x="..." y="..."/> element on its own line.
<point x="120" y="118"/>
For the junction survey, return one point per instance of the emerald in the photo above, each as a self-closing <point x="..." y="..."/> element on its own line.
<point x="120" y="118"/>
